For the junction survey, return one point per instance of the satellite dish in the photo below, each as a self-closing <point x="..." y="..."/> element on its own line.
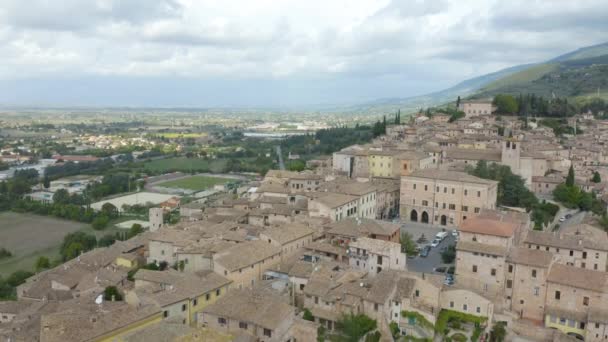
<point x="99" y="299"/>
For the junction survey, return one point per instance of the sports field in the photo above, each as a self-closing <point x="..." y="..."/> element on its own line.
<point x="29" y="236"/>
<point x="196" y="183"/>
<point x="185" y="165"/>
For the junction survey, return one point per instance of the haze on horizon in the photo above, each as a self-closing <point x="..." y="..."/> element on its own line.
<point x="188" y="53"/>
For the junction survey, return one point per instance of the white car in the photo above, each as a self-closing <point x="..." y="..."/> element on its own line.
<point x="435" y="243"/>
<point x="454" y="233"/>
<point x="562" y="219"/>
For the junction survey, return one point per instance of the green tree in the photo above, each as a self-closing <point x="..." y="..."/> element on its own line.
<point x="408" y="246"/>
<point x="498" y="332"/>
<point x="321" y="332"/>
<point x="570" y="177"/>
<point x="61" y="196"/>
<point x="296" y="165"/>
<point x="505" y="104"/>
<point x="18" y="277"/>
<point x="352" y="328"/>
<point x="42" y="263"/>
<point x="596" y="177"/>
<point x="449" y="254"/>
<point x="109" y="210"/>
<point x="308" y="315"/>
<point x="458" y="102"/>
<point x="106" y="240"/>
<point x="111" y="293"/>
<point x="5" y="253"/>
<point x="136" y="228"/>
<point x="75" y="243"/>
<point x="100" y="222"/>
<point x="46" y="182"/>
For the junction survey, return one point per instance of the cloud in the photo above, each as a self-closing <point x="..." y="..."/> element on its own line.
<point x="342" y="49"/>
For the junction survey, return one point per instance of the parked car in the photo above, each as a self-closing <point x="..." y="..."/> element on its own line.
<point x="562" y="219"/>
<point x="435" y="243"/>
<point x="425" y="251"/>
<point x="449" y="280"/>
<point x="568" y="216"/>
<point x="441" y="235"/>
<point x="454" y="233"/>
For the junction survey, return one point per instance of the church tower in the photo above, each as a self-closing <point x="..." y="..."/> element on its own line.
<point x="511" y="154"/>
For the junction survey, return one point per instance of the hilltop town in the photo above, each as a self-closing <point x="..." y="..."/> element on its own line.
<point x="458" y="226"/>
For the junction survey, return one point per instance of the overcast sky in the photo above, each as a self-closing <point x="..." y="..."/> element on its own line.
<point x="272" y="52"/>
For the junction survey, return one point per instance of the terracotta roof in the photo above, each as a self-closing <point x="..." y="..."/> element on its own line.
<point x="450" y="176"/>
<point x="257" y="307"/>
<point x="529" y="257"/>
<point x="477" y="225"/>
<point x="578" y="277"/>
<point x="358" y="227"/>
<point x="245" y="254"/>
<point x="477" y="247"/>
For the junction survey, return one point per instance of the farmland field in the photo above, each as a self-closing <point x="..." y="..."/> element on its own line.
<point x="195" y="183"/>
<point x="29" y="236"/>
<point x="185" y="164"/>
<point x="182" y="135"/>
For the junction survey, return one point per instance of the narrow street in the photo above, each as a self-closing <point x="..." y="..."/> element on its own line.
<point x="280" y="154"/>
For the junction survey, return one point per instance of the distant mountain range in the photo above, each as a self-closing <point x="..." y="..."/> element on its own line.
<point x="575" y="74"/>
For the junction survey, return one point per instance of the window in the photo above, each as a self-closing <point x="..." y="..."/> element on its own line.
<point x="476" y="210"/>
<point x="375" y="306"/>
<point x="443" y="205"/>
<point x="533" y="273"/>
<point x="165" y="314"/>
<point x="316" y="300"/>
<point x="218" y="291"/>
<point x="453" y="191"/>
<point x="426" y="187"/>
<point x="267" y="332"/>
<point x="510" y="268"/>
<point x="558" y="295"/>
<point x="571" y="253"/>
<point x="493" y="272"/>
<point x="221" y="320"/>
<point x="445" y="190"/>
<point x="425" y="203"/>
<point x="452" y="206"/>
<point x="478" y="193"/>
<point x="509" y="283"/>
<point x="586" y="301"/>
<point x="465" y="208"/>
<point x="478" y="309"/>
<point x="466" y="192"/>
<point x="437" y="189"/>
<point x="584" y="255"/>
<point x="194" y="302"/>
<point x="474" y="268"/>
<point x="417" y="293"/>
<point x="207" y="296"/>
<point x="451" y="304"/>
<point x="536" y="290"/>
<point x="379" y="259"/>
<point x="184" y="307"/>
<point x="414" y="186"/>
<point x="464" y="307"/>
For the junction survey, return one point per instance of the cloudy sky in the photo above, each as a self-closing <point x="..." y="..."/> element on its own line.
<point x="208" y="53"/>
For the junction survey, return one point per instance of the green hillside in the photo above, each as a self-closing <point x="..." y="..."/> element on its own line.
<point x="570" y="78"/>
<point x="522" y="77"/>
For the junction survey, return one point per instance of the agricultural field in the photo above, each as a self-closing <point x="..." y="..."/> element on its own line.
<point x="196" y="183"/>
<point x="29" y="236"/>
<point x="185" y="165"/>
<point x="182" y="135"/>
